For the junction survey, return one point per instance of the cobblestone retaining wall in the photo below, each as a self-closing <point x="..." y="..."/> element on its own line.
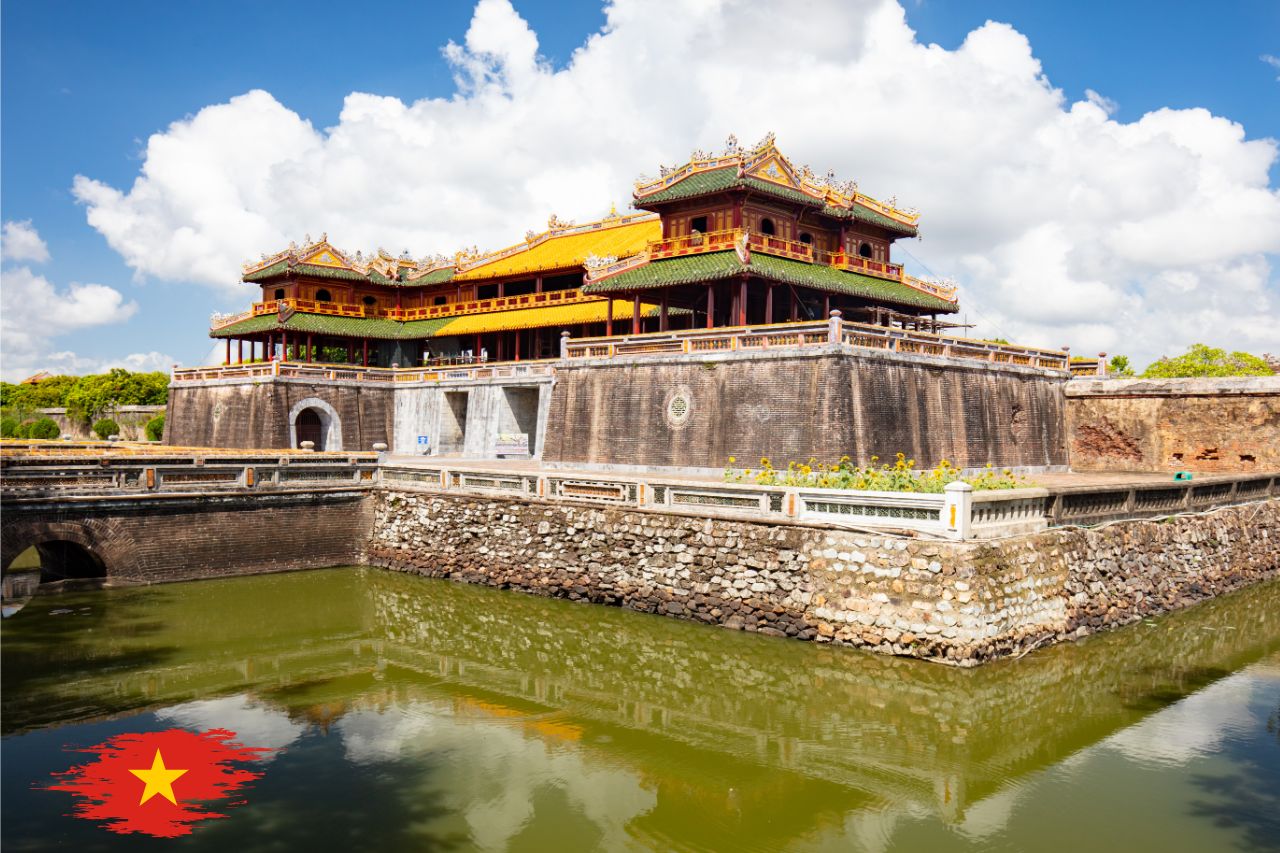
<point x="959" y="602"/>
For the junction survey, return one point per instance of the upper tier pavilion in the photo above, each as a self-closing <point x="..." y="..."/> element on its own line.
<point x="744" y="238"/>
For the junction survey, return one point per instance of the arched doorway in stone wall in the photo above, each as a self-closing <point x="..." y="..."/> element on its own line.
<point x="315" y="420"/>
<point x="310" y="428"/>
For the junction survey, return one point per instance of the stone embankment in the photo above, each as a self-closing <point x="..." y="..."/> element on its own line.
<point x="962" y="603"/>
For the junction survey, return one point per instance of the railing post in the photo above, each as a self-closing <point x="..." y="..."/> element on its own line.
<point x="833" y="327"/>
<point x="957" y="510"/>
<point x="564" y="344"/>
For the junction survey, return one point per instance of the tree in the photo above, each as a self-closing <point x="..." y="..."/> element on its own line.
<point x="1119" y="366"/>
<point x="1202" y="360"/>
<point x="93" y="395"/>
<point x="105" y="428"/>
<point x="8" y="427"/>
<point x="155" y="428"/>
<point x="45" y="428"/>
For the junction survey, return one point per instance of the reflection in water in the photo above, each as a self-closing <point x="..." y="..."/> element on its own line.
<point x="420" y="714"/>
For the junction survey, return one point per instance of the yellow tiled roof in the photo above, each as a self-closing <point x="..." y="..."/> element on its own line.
<point x="594" y="311"/>
<point x="569" y="250"/>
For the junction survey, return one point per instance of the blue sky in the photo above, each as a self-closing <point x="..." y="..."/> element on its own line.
<point x="86" y="83"/>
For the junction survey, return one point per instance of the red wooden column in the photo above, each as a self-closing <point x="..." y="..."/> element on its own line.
<point x="366" y="352"/>
<point x="742" y="303"/>
<point x="826" y="305"/>
<point x="477" y="350"/>
<point x="768" y="304"/>
<point x="284" y="345"/>
<point x="311" y="350"/>
<point x="227" y="360"/>
<point x="711" y="306"/>
<point x="516" y="354"/>
<point x="608" y="319"/>
<point x="537" y="284"/>
<point x="663" y="324"/>
<point x="635" y="315"/>
<point x="239" y="350"/>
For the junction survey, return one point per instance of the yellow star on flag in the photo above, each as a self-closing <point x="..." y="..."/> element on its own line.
<point x="159" y="780"/>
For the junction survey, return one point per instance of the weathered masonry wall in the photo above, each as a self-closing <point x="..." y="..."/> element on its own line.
<point x="789" y="405"/>
<point x="259" y="413"/>
<point x="132" y="421"/>
<point x="148" y="539"/>
<point x="1227" y="425"/>
<point x="960" y="602"/>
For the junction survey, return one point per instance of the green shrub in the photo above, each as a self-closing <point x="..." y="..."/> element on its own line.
<point x="8" y="427"/>
<point x="1203" y="360"/>
<point x="155" y="428"/>
<point x="106" y="427"/>
<point x="45" y="428"/>
<point x="23" y="430"/>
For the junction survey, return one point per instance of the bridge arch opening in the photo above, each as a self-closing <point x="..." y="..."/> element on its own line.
<point x="58" y="560"/>
<point x="316" y="421"/>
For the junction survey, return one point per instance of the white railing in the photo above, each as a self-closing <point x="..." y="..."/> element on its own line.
<point x="957" y="513"/>
<point x="357" y="373"/>
<point x="861" y="335"/>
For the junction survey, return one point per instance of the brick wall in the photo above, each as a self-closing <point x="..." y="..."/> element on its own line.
<point x="1210" y="425"/>
<point x="793" y="406"/>
<point x="256" y="414"/>
<point x="152" y="540"/>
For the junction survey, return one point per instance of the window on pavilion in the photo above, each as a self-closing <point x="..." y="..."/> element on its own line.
<point x="323" y="296"/>
<point x="865" y="250"/>
<point x="767" y="226"/>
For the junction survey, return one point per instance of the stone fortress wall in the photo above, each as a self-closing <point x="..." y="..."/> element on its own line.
<point x="962" y="603"/>
<point x="259" y="414"/>
<point x="826" y="402"/>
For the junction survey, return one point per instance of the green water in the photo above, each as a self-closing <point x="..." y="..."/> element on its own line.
<point x="414" y="714"/>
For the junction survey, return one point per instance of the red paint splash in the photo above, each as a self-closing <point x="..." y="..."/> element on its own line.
<point x="108" y="793"/>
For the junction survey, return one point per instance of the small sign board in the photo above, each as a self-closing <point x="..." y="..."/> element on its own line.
<point x="424" y="443"/>
<point x="512" y="443"/>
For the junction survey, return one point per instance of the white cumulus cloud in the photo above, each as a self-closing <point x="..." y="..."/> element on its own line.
<point x="34" y="312"/>
<point x="20" y="241"/>
<point x="1062" y="224"/>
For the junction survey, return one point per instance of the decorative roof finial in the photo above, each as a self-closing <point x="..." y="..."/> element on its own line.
<point x="324" y="236"/>
<point x="731" y="145"/>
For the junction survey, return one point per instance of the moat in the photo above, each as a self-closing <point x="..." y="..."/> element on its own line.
<point x="410" y="713"/>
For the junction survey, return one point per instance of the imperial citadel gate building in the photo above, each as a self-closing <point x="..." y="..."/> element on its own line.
<point x="748" y="309"/>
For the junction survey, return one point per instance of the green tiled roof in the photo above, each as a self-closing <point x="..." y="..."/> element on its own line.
<point x="872" y="217"/>
<point x="666" y="273"/>
<point x="326" y="324"/>
<point x="439" y="276"/>
<point x="823" y="277"/>
<point x="699" y="183"/>
<point x="278" y="268"/>
<point x="281" y="267"/>
<point x="719" y="180"/>
<point x="329" y="272"/>
<point x="718" y="265"/>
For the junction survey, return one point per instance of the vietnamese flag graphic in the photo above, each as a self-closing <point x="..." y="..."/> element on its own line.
<point x="160" y="783"/>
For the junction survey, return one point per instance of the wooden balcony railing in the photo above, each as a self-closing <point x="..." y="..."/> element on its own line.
<point x="450" y="309"/>
<point x="771" y="245"/>
<point x="692" y="244"/>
